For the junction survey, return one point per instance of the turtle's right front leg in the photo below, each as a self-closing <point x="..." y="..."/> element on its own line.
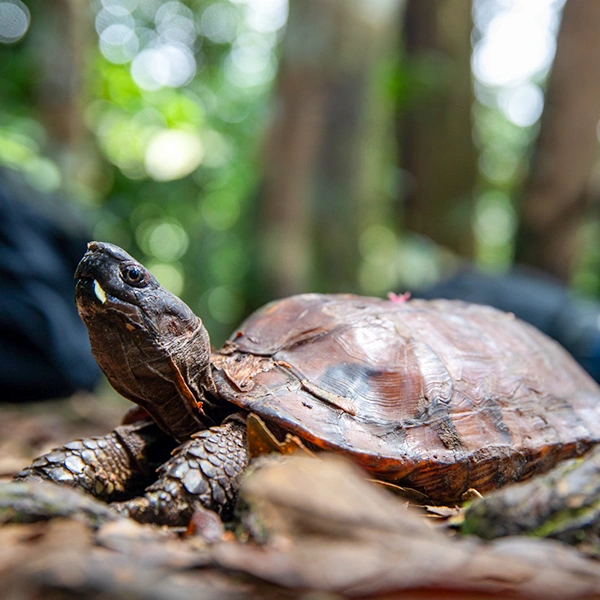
<point x="116" y="466"/>
<point x="204" y="472"/>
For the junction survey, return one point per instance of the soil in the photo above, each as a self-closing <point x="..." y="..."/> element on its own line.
<point x="307" y="528"/>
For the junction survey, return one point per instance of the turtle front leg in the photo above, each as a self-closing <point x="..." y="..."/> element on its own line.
<point x="204" y="472"/>
<point x="112" y="467"/>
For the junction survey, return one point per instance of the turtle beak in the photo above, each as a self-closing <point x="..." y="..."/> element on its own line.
<point x="99" y="285"/>
<point x="89" y="273"/>
<point x="88" y="288"/>
<point x="96" y="270"/>
<point x="99" y="258"/>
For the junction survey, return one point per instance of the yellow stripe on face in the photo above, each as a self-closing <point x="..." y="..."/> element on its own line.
<point x="100" y="293"/>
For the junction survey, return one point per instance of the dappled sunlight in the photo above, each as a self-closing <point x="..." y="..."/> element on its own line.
<point x="518" y="43"/>
<point x="219" y="23"/>
<point x="181" y="87"/>
<point x="225" y="304"/>
<point x="220" y="209"/>
<point x="495" y="225"/>
<point x="170" y="65"/>
<point x="251" y="61"/>
<point x="172" y="154"/>
<point x="370" y="172"/>
<point x="165" y="240"/>
<point x="178" y="112"/>
<point x="513" y="50"/>
<point x="169" y="275"/>
<point x="14" y="21"/>
<point x="522" y="104"/>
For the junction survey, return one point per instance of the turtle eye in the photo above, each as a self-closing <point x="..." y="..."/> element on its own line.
<point x="134" y="275"/>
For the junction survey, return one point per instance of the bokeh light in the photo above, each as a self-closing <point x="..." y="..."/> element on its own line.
<point x="168" y="275"/>
<point x="175" y="23"/>
<point x="170" y="65"/>
<point x="120" y="7"/>
<point x="119" y="43"/>
<point x="494" y="225"/>
<point x="267" y="16"/>
<point x="419" y="261"/>
<point x="377" y="245"/>
<point x="179" y="109"/>
<point x="179" y="112"/>
<point x="219" y="23"/>
<point x="514" y="44"/>
<point x="14" y="21"/>
<point x="220" y="209"/>
<point x="519" y="42"/>
<point x="251" y="61"/>
<point x="522" y="104"/>
<point x="225" y="304"/>
<point x="165" y="240"/>
<point x="173" y="154"/>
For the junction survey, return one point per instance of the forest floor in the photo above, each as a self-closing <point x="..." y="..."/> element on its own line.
<point x="312" y="529"/>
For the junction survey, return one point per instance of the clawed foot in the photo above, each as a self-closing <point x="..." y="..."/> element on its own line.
<point x="122" y="468"/>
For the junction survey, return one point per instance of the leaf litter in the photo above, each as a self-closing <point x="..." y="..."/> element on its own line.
<point x="308" y="528"/>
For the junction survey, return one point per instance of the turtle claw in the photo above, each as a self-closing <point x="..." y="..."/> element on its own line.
<point x="112" y="467"/>
<point x="203" y="473"/>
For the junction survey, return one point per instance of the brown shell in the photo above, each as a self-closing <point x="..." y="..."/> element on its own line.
<point x="441" y="396"/>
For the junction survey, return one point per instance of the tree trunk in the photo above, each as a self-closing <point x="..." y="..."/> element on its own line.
<point x="558" y="191"/>
<point x="314" y="164"/>
<point x="63" y="37"/>
<point x="435" y="125"/>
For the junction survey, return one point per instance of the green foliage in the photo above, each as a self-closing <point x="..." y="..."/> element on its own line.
<point x="174" y="101"/>
<point x="504" y="153"/>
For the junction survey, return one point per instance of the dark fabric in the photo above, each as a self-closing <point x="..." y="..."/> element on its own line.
<point x="537" y="299"/>
<point x="44" y="348"/>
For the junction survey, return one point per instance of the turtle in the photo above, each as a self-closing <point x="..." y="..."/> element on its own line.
<point x="438" y="396"/>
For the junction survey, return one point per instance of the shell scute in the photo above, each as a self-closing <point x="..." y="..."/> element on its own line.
<point x="440" y="395"/>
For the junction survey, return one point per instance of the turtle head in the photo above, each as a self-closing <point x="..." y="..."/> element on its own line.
<point x="150" y="345"/>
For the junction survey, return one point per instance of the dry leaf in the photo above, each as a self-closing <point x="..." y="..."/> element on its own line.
<point x="262" y="441"/>
<point x="333" y="531"/>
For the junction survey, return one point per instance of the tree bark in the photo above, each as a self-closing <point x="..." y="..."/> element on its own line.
<point x="558" y="192"/>
<point x="62" y="47"/>
<point x="435" y="125"/>
<point x="314" y="163"/>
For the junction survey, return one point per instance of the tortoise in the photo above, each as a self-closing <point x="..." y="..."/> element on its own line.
<point x="438" y="396"/>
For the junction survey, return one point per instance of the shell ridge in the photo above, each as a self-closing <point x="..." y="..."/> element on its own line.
<point x="437" y="393"/>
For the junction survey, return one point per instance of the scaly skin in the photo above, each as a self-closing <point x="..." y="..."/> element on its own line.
<point x="203" y="472"/>
<point x="112" y="467"/>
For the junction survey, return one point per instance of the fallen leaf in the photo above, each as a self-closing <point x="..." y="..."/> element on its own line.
<point x="332" y="531"/>
<point x="261" y="440"/>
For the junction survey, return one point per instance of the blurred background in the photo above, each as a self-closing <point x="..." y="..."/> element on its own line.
<point x="250" y="149"/>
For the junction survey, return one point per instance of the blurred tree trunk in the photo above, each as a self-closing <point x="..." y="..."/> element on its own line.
<point x="435" y="125"/>
<point x="559" y="188"/>
<point x="63" y="34"/>
<point x="314" y="163"/>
